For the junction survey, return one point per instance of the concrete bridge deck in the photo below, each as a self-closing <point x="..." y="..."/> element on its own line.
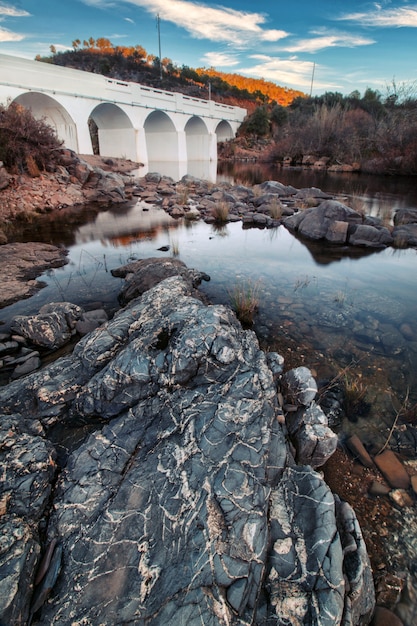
<point x="134" y="121"/>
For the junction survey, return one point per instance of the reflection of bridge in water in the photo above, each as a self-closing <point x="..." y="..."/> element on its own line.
<point x="136" y="122"/>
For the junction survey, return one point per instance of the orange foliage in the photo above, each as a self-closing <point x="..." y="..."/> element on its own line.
<point x="281" y="95"/>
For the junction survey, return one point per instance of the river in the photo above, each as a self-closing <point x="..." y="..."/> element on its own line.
<point x="345" y="314"/>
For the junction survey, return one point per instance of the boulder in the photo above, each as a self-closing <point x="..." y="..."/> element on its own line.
<point x="405" y="235"/>
<point x="313" y="440"/>
<point x="405" y="216"/>
<point x="319" y="222"/>
<point x="144" y="274"/>
<point x="52" y="328"/>
<point x="299" y="386"/>
<point x="28" y="470"/>
<point x="183" y="504"/>
<point x="369" y="236"/>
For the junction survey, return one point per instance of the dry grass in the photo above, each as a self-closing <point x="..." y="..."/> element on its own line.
<point x="244" y="298"/>
<point x="220" y="212"/>
<point x="275" y="209"/>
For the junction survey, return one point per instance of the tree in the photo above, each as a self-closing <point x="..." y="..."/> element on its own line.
<point x="257" y="124"/>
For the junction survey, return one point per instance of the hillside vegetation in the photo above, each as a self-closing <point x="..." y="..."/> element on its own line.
<point x="133" y="63"/>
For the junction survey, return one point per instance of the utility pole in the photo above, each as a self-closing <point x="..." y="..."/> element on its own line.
<point x="312" y="79"/>
<point x="159" y="45"/>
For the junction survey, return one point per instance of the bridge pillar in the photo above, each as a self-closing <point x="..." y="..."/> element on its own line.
<point x="141" y="147"/>
<point x="212" y="146"/>
<point x="182" y="146"/>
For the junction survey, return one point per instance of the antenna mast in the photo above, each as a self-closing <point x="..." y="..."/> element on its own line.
<point x="159" y="45"/>
<point x="312" y="79"/>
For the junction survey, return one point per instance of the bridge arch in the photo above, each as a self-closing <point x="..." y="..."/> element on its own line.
<point x="197" y="139"/>
<point x="161" y="137"/>
<point x="116" y="133"/>
<point x="224" y="131"/>
<point x="46" y="107"/>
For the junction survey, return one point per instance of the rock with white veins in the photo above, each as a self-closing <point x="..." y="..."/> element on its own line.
<point x="185" y="505"/>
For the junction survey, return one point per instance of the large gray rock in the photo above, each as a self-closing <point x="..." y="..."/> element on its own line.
<point x="317" y="223"/>
<point x="369" y="236"/>
<point x="146" y="273"/>
<point x="185" y="494"/>
<point x="28" y="470"/>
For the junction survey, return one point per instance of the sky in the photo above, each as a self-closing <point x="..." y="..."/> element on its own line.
<point x="310" y="45"/>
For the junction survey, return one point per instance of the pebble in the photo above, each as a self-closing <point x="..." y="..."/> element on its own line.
<point x="401" y="498"/>
<point x="378" y="489"/>
<point x="392" y="469"/>
<point x="358" y="450"/>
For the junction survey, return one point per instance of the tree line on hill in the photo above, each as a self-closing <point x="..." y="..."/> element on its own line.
<point x="133" y="63"/>
<point x="375" y="131"/>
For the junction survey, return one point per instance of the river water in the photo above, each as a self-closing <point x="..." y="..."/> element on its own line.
<point x="338" y="312"/>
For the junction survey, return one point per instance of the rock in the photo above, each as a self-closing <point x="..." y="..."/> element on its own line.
<point x="146" y="273"/>
<point x="21" y="263"/>
<point x="4" y="177"/>
<point x="378" y="489"/>
<point x="184" y="503"/>
<point x="405" y="216"/>
<point x="29" y="365"/>
<point x="358" y="450"/>
<point x="318" y="222"/>
<point x="405" y="235"/>
<point x="392" y="469"/>
<point x="313" y="440"/>
<point x="370" y="236"/>
<point x="414" y="483"/>
<point x="299" y="386"/>
<point x="401" y="498"/>
<point x="28" y="471"/>
<point x="51" y="328"/>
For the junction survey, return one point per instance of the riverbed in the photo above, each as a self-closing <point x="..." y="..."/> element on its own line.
<point x="343" y="313"/>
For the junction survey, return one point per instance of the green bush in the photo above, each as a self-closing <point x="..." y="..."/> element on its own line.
<point x="27" y="144"/>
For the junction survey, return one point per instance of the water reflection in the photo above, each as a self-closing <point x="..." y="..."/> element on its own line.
<point x="325" y="307"/>
<point x="205" y="169"/>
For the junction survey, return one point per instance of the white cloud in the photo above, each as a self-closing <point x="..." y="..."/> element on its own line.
<point x="292" y="71"/>
<point x="216" y="23"/>
<point x="127" y="19"/>
<point x="219" y="59"/>
<point x="329" y="40"/>
<point x="7" y="10"/>
<point x="8" y="35"/>
<point x="399" y="17"/>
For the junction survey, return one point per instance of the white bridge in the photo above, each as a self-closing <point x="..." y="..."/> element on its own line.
<point x="135" y="122"/>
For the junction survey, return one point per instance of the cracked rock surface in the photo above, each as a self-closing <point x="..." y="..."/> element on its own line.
<point x="184" y="505"/>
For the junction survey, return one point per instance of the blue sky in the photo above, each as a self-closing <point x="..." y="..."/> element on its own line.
<point x="350" y="44"/>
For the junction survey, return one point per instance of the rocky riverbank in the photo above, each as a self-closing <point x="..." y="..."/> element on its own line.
<point x="192" y="494"/>
<point x="166" y="440"/>
<point x="192" y="199"/>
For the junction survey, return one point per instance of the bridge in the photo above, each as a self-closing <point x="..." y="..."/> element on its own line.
<point x="133" y="121"/>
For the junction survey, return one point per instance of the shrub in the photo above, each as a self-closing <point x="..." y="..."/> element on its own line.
<point x="27" y="144"/>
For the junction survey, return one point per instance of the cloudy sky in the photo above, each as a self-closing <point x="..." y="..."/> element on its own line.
<point x="323" y="45"/>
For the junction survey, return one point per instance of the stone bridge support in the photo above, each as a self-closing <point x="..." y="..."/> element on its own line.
<point x="132" y="121"/>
